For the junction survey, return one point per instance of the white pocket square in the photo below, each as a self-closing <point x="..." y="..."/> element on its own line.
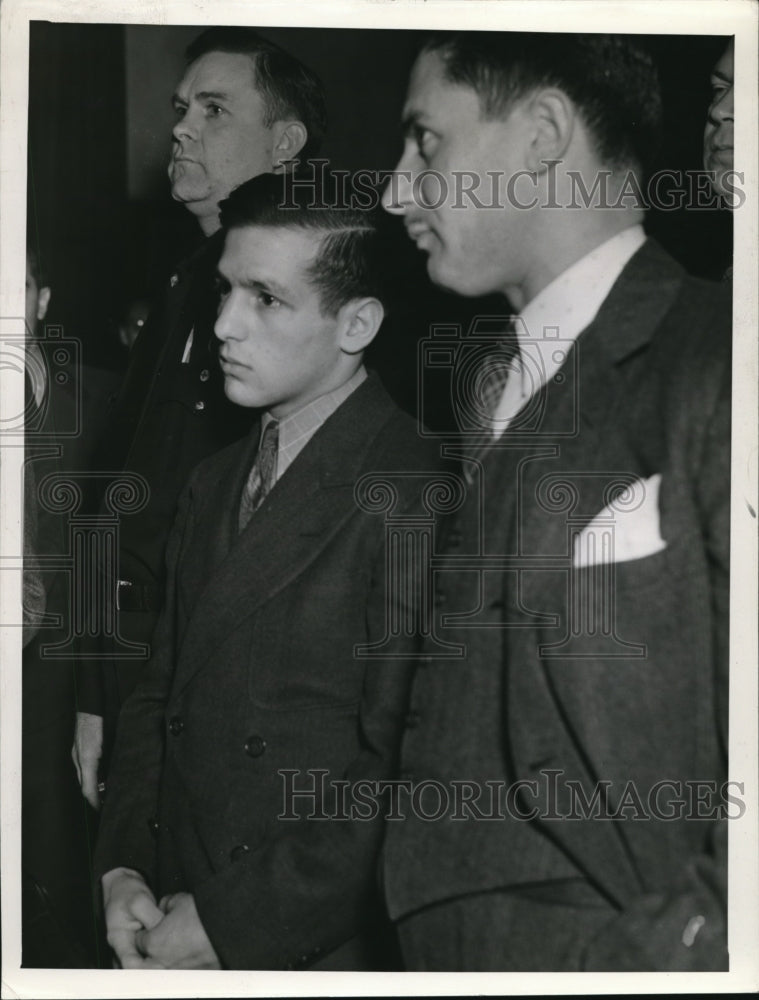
<point x="626" y="529"/>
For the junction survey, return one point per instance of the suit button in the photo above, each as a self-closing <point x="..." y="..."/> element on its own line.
<point x="239" y="852"/>
<point x="412" y="719"/>
<point x="205" y="375"/>
<point x="153" y="826"/>
<point x="200" y="405"/>
<point x="176" y="725"/>
<point x="255" y="746"/>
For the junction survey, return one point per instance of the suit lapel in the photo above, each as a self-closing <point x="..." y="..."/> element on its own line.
<point x="544" y="734"/>
<point x="295" y="522"/>
<point x="592" y="434"/>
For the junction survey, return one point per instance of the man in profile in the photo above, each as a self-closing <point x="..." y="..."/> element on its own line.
<point x="243" y="107"/>
<point x="587" y="579"/>
<point x="276" y="575"/>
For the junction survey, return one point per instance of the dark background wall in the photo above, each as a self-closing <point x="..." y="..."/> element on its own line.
<point x="99" y="138"/>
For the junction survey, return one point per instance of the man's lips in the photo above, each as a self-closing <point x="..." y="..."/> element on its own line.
<point x="226" y="362"/>
<point x="420" y="233"/>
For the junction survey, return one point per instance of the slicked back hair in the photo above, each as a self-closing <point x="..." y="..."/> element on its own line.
<point x="348" y="261"/>
<point x="611" y="79"/>
<point x="289" y="89"/>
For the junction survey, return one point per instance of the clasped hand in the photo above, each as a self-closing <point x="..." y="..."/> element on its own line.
<point x="147" y="935"/>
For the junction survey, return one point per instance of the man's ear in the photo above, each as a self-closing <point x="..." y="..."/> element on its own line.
<point x="289" y="139"/>
<point x="43" y="301"/>
<point x="358" y="322"/>
<point x="554" y="117"/>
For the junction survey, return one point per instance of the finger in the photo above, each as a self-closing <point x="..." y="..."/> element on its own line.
<point x="165" y="902"/>
<point x="144" y="910"/>
<point x="136" y="961"/>
<point x="89" y="782"/>
<point x="124" y="948"/>
<point x="140" y="943"/>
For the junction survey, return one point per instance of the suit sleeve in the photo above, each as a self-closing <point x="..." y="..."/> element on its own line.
<point x="125" y="839"/>
<point x="685" y="927"/>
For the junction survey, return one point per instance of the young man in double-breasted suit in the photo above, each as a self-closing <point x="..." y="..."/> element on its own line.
<point x="256" y="692"/>
<point x="585" y="594"/>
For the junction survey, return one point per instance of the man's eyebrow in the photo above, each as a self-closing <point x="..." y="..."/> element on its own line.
<point x="266" y="285"/>
<point x="202" y="95"/>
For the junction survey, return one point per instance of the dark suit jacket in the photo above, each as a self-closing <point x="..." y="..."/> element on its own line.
<point x="641" y="696"/>
<point x="253" y="671"/>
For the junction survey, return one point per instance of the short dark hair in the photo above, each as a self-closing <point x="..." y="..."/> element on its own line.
<point x="289" y="89"/>
<point x="348" y="263"/>
<point x="611" y="79"/>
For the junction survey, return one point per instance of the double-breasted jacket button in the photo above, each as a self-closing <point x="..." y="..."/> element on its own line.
<point x="255" y="746"/>
<point x="239" y="852"/>
<point x="200" y="405"/>
<point x="176" y="725"/>
<point x="153" y="826"/>
<point x="205" y="375"/>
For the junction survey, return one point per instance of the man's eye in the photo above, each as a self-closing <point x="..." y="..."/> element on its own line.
<point x="268" y="301"/>
<point x="180" y="111"/>
<point x="214" y="110"/>
<point x="424" y="141"/>
<point x="221" y="286"/>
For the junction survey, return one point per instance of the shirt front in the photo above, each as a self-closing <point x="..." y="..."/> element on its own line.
<point x="554" y="319"/>
<point x="297" y="429"/>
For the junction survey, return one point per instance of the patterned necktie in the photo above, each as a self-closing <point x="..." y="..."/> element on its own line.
<point x="498" y="367"/>
<point x="261" y="478"/>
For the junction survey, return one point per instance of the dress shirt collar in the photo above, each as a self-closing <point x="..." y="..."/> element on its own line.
<point x="561" y="311"/>
<point x="297" y="429"/>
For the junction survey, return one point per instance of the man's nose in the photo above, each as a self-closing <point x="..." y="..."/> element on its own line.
<point x="186" y="127"/>
<point x="228" y="325"/>
<point x="722" y="110"/>
<point x="398" y="194"/>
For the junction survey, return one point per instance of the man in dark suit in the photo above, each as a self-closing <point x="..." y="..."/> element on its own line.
<point x="244" y="107"/>
<point x="276" y="575"/>
<point x="584" y="584"/>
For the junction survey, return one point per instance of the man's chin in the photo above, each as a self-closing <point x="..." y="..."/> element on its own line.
<point x="239" y="394"/>
<point x="449" y="280"/>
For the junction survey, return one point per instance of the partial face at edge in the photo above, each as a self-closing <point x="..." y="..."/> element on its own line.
<point x="718" y="133"/>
